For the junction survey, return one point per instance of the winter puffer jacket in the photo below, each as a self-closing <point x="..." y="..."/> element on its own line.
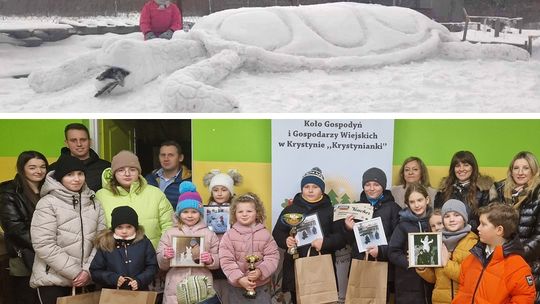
<point x="446" y="279"/>
<point x="483" y="184"/>
<point x="241" y="241"/>
<point x="63" y="229"/>
<point x="410" y="287"/>
<point x="333" y="236"/>
<point x="135" y="259"/>
<point x="175" y="275"/>
<point x="154" y="210"/>
<point x="15" y="217"/>
<point x="156" y="20"/>
<point x="172" y="191"/>
<point x="93" y="165"/>
<point x="502" y="278"/>
<point x="528" y="228"/>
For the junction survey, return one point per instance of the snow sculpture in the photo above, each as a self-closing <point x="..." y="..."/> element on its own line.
<point x="326" y="36"/>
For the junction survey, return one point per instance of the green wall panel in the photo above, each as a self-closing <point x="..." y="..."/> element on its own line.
<point x="238" y="140"/>
<point x="493" y="141"/>
<point x="43" y="135"/>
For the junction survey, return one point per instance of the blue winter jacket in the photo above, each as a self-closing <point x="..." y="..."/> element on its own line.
<point x="135" y="259"/>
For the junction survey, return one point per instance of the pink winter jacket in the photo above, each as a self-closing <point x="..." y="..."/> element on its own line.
<point x="241" y="241"/>
<point x="175" y="275"/>
<point x="158" y="20"/>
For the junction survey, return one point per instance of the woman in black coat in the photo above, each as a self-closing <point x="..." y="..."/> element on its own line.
<point x="521" y="189"/>
<point x="465" y="184"/>
<point x="18" y="198"/>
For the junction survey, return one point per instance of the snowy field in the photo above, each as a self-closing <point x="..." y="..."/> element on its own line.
<point x="433" y="84"/>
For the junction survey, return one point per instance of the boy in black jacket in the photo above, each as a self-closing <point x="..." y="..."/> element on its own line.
<point x="311" y="200"/>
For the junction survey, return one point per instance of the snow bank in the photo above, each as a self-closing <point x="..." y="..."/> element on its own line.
<point x="331" y="36"/>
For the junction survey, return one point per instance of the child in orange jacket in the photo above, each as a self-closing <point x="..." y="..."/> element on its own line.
<point x="495" y="272"/>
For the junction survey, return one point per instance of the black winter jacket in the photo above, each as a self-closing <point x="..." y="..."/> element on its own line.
<point x="334" y="238"/>
<point x="94" y="167"/>
<point x="136" y="259"/>
<point x="410" y="287"/>
<point x="528" y="228"/>
<point x="16" y="212"/>
<point x="460" y="193"/>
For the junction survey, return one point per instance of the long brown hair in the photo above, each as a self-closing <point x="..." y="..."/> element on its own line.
<point x="465" y="157"/>
<point x="20" y="179"/>
<point x="415" y="188"/>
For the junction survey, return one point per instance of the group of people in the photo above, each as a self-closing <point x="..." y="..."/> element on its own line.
<point x="83" y="221"/>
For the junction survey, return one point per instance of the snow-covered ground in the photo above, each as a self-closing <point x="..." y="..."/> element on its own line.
<point x="435" y="84"/>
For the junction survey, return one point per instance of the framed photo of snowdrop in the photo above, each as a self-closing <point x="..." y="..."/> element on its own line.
<point x="369" y="233"/>
<point x="217" y="219"/>
<point x="309" y="230"/>
<point x="187" y="251"/>
<point x="425" y="249"/>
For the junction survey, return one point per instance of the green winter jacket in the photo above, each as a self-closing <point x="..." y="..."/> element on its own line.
<point x="154" y="210"/>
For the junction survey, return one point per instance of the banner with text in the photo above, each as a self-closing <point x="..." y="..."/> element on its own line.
<point x="342" y="149"/>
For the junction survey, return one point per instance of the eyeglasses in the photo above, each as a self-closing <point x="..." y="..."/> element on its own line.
<point x="127" y="171"/>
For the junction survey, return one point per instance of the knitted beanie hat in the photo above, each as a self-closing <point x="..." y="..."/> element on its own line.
<point x="313" y="176"/>
<point x="124" y="215"/>
<point x="66" y="164"/>
<point x="222" y="179"/>
<point x="189" y="198"/>
<point x="125" y="158"/>
<point x="374" y="175"/>
<point x="456" y="206"/>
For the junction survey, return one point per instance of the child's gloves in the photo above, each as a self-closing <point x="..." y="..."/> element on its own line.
<point x="168" y="253"/>
<point x="149" y="35"/>
<point x="167" y="35"/>
<point x="206" y="258"/>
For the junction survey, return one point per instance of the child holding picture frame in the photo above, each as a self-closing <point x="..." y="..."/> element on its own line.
<point x="457" y="239"/>
<point x="189" y="223"/>
<point x="410" y="288"/>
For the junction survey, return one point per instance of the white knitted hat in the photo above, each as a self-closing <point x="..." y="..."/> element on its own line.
<point x="222" y="179"/>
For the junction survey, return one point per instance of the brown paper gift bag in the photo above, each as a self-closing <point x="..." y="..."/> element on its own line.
<point x="85" y="298"/>
<point x="367" y="282"/>
<point x="315" y="279"/>
<point x="116" y="296"/>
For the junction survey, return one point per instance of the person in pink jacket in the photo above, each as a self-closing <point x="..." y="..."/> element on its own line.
<point x="248" y="236"/>
<point x="160" y="19"/>
<point x="189" y="211"/>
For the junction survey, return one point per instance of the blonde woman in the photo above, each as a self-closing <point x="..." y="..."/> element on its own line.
<point x="521" y="189"/>
<point x="412" y="171"/>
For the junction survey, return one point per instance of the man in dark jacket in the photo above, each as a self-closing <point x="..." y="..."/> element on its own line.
<point x="77" y="141"/>
<point x="172" y="171"/>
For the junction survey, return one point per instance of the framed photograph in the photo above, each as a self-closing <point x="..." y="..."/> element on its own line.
<point x="187" y="251"/>
<point x="425" y="249"/>
<point x="309" y="230"/>
<point x="369" y="233"/>
<point x="217" y="219"/>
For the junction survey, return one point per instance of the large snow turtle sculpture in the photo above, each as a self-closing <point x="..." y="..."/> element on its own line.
<point x="274" y="39"/>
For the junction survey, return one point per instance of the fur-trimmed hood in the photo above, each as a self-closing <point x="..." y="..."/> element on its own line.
<point x="105" y="240"/>
<point x="483" y="183"/>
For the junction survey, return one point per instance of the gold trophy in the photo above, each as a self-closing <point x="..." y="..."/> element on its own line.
<point x="251" y="259"/>
<point x="293" y="220"/>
